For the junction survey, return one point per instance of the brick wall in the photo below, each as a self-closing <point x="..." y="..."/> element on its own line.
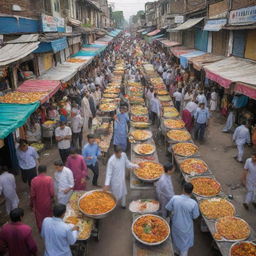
<point x="237" y="4"/>
<point x="194" y="5"/>
<point x="176" y="6"/>
<point x="218" y="8"/>
<point x="30" y="8"/>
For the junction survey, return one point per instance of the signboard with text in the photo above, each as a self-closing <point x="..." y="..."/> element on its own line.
<point x="243" y="16"/>
<point x="49" y="23"/>
<point x="179" y="19"/>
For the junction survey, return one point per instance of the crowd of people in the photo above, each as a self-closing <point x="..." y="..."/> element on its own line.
<point x="79" y="153"/>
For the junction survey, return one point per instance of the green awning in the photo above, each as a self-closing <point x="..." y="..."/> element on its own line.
<point x="13" y="116"/>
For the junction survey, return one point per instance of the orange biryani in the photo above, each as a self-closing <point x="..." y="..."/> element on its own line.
<point x="98" y="202"/>
<point x="185" y="149"/>
<point x="178" y="135"/>
<point x="174" y="124"/>
<point x="144" y="149"/>
<point x="243" y="249"/>
<point x="149" y="170"/>
<point x="193" y="165"/>
<point x="151" y="229"/>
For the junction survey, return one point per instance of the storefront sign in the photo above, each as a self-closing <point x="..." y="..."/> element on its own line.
<point x="49" y="23"/>
<point x="215" y="25"/>
<point x="243" y="16"/>
<point x="60" y="24"/>
<point x="179" y="19"/>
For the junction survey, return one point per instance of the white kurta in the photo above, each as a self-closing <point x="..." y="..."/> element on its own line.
<point x="63" y="181"/>
<point x="164" y="191"/>
<point x="115" y="176"/>
<point x="86" y="112"/>
<point x="8" y="188"/>
<point x="213" y="101"/>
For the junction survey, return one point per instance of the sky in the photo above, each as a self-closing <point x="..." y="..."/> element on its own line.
<point x="129" y="7"/>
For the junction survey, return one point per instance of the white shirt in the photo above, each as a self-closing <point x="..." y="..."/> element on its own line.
<point x="64" y="180"/>
<point x="64" y="144"/>
<point x="77" y="123"/>
<point x="177" y="96"/>
<point x="201" y="99"/>
<point x="155" y="106"/>
<point x="192" y="107"/>
<point x="241" y="135"/>
<point x="98" y="81"/>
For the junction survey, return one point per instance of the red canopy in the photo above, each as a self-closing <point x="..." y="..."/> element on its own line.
<point x="179" y="50"/>
<point x="246" y="89"/>
<point x="153" y="33"/>
<point x="49" y="86"/>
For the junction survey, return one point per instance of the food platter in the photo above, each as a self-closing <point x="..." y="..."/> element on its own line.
<point x="243" y="248"/>
<point x="144" y="206"/>
<point x="164" y="98"/>
<point x="144" y="149"/>
<point x="205" y="186"/>
<point x="136" y="100"/>
<point x="139" y="118"/>
<point x="92" y="202"/>
<point x="139" y="110"/>
<point x="112" y="90"/>
<point x="110" y="95"/>
<point x="162" y="92"/>
<point x="193" y="166"/>
<point x="141" y="135"/>
<point x="150" y="229"/>
<point x="215" y="208"/>
<point x="149" y="171"/>
<point x="178" y="135"/>
<point x="107" y="107"/>
<point x="140" y="125"/>
<point x="170" y="112"/>
<point x="185" y="149"/>
<point x="231" y="229"/>
<point x="174" y="124"/>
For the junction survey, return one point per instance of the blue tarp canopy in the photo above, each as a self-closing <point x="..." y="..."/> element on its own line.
<point x="52" y="46"/>
<point x="86" y="53"/>
<point x="184" y="58"/>
<point x="94" y="46"/>
<point x="13" y="116"/>
<point x="155" y="37"/>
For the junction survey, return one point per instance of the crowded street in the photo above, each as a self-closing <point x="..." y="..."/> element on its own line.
<point x="125" y="140"/>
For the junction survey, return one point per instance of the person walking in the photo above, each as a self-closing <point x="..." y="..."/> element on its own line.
<point x="86" y="111"/>
<point x="8" y="189"/>
<point x="63" y="136"/>
<point x="16" y="237"/>
<point x="241" y="136"/>
<point x="155" y="109"/>
<point x="164" y="188"/>
<point x="201" y="98"/>
<point x="184" y="210"/>
<point x="249" y="181"/>
<point x="115" y="175"/>
<point x="121" y="129"/>
<point x="57" y="235"/>
<point x="201" y="121"/>
<point x="77" y="165"/>
<point x="28" y="160"/>
<point x="91" y="153"/>
<point x="64" y="182"/>
<point x="41" y="195"/>
<point x="76" y="125"/>
<point x="178" y="98"/>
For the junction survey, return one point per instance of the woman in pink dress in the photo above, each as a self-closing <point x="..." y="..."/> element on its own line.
<point x="77" y="165"/>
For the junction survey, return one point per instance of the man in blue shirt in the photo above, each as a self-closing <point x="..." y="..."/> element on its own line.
<point x="91" y="152"/>
<point x="57" y="235"/>
<point x="201" y="120"/>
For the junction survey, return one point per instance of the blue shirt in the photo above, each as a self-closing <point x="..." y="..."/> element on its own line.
<point x="58" y="237"/>
<point x="202" y="115"/>
<point x="27" y="159"/>
<point x="91" y="150"/>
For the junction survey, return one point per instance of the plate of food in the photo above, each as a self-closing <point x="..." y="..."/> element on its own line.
<point x="162" y="92"/>
<point x="193" y="166"/>
<point x="185" y="149"/>
<point x="144" y="119"/>
<point x="141" y="135"/>
<point x="144" y="206"/>
<point x="140" y="125"/>
<point x="178" y="135"/>
<point x="170" y="112"/>
<point x="215" y="208"/>
<point x="150" y="229"/>
<point x="110" y="95"/>
<point x="149" y="171"/>
<point x="97" y="204"/>
<point x="112" y="90"/>
<point x="107" y="107"/>
<point x="144" y="149"/>
<point x="174" y="124"/>
<point x="164" y="98"/>
<point x="205" y="186"/>
<point x="139" y="110"/>
<point x="243" y="248"/>
<point x="231" y="229"/>
<point x="136" y="100"/>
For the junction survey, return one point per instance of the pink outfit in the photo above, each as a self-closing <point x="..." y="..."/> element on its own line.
<point x="16" y="239"/>
<point x="187" y="118"/>
<point x="79" y="168"/>
<point x="41" y="194"/>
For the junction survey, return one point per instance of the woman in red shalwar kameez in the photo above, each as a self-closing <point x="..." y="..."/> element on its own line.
<point x="77" y="165"/>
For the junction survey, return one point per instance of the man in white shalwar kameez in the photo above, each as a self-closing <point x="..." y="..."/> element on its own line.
<point x="115" y="174"/>
<point x="8" y="189"/>
<point x="213" y="101"/>
<point x="85" y="111"/>
<point x="184" y="210"/>
<point x="64" y="182"/>
<point x="164" y="188"/>
<point x="241" y="136"/>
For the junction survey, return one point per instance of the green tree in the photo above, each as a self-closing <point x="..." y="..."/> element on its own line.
<point x="118" y="17"/>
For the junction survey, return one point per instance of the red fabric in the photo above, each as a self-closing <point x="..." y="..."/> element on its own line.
<point x="153" y="33"/>
<point x="41" y="194"/>
<point x="79" y="168"/>
<point x="16" y="239"/>
<point x="218" y="79"/>
<point x="49" y="86"/>
<point x="187" y="118"/>
<point x="247" y="90"/>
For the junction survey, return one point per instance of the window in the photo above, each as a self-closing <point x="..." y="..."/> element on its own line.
<point x="47" y="6"/>
<point x="57" y="6"/>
